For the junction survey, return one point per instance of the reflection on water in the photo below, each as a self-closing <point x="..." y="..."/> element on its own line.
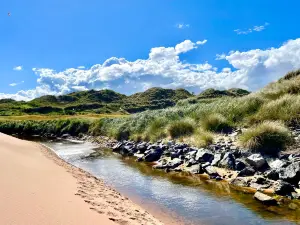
<point x="195" y="200"/>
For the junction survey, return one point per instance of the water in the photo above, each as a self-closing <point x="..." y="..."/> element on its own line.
<point x="196" y="201"/>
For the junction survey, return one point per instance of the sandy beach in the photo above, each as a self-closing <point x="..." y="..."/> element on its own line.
<point x="36" y="187"/>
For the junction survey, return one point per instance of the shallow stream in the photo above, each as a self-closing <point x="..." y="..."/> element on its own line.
<point x="193" y="200"/>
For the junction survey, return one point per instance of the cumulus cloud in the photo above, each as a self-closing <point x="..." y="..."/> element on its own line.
<point x="182" y="25"/>
<point x="15" y="84"/>
<point x="81" y="67"/>
<point x="163" y="67"/>
<point x="253" y="29"/>
<point x="18" y="68"/>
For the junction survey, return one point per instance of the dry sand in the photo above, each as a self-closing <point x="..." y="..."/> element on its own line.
<point x="36" y="187"/>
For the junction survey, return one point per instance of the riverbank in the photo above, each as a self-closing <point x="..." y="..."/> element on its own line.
<point x="37" y="187"/>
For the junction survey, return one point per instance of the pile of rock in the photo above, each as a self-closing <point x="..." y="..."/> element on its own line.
<point x="242" y="168"/>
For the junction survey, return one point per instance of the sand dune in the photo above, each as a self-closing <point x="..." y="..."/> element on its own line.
<point x="36" y="187"/>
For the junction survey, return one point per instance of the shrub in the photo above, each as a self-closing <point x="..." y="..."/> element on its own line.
<point x="269" y="137"/>
<point x="180" y="128"/>
<point x="216" y="123"/>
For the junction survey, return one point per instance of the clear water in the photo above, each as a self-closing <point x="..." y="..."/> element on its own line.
<point x="196" y="201"/>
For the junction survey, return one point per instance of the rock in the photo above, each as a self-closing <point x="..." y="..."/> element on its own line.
<point x="204" y="156"/>
<point x="153" y="155"/>
<point x="195" y="169"/>
<point x="277" y="164"/>
<point x="217" y="158"/>
<point x="228" y="161"/>
<point x="283" y="188"/>
<point x="191" y="162"/>
<point x="265" y="199"/>
<point x="212" y="172"/>
<point x="293" y="206"/>
<point x="257" y="161"/>
<point x="174" y="163"/>
<point x="117" y="147"/>
<point x="295" y="195"/>
<point x="246" y="172"/>
<point x="239" y="165"/>
<point x="240" y="182"/>
<point x="204" y="165"/>
<point x="291" y="173"/>
<point x="272" y="175"/>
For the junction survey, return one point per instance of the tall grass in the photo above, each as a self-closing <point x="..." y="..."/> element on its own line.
<point x="269" y="137"/>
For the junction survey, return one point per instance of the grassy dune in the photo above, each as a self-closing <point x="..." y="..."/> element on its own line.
<point x="197" y="119"/>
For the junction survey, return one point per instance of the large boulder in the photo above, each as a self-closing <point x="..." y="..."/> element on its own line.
<point x="284" y="188"/>
<point x="204" y="156"/>
<point x="257" y="161"/>
<point x="153" y="155"/>
<point x="272" y="175"/>
<point x="265" y="199"/>
<point x="246" y="172"/>
<point x="240" y="165"/>
<point x="291" y="173"/>
<point x="174" y="163"/>
<point x="228" y="161"/>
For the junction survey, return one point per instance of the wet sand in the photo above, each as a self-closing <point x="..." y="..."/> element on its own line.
<point x="37" y="187"/>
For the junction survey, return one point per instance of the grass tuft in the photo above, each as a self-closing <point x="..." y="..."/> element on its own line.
<point x="269" y="137"/>
<point x="181" y="128"/>
<point x="215" y="123"/>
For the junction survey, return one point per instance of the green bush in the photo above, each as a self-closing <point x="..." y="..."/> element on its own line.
<point x="156" y="130"/>
<point x="215" y="123"/>
<point x="180" y="128"/>
<point x="269" y="137"/>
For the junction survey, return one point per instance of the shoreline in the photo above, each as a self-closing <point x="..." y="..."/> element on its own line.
<point x="38" y="187"/>
<point x="148" y="207"/>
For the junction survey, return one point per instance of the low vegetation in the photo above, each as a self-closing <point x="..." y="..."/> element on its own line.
<point x="192" y="118"/>
<point x="269" y="137"/>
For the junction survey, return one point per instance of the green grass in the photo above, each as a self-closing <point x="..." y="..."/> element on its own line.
<point x="201" y="139"/>
<point x="278" y="101"/>
<point x="181" y="128"/>
<point x="269" y="137"/>
<point x="215" y="123"/>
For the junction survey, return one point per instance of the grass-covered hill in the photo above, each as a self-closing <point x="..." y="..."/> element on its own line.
<point x="103" y="101"/>
<point x="266" y="115"/>
<point x="106" y="101"/>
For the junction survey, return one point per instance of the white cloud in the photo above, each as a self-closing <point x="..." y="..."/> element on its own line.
<point x="15" y="84"/>
<point x="249" y="69"/>
<point x="18" y="68"/>
<point x="81" y="67"/>
<point x="182" y="25"/>
<point x="253" y="29"/>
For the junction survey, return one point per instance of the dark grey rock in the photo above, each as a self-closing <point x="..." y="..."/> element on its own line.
<point x="240" y="165"/>
<point x="284" y="188"/>
<point x="257" y="161"/>
<point x="246" y="172"/>
<point x="272" y="175"/>
<point x="204" y="156"/>
<point x="265" y="199"/>
<point x="191" y="162"/>
<point x="291" y="173"/>
<point x="153" y="155"/>
<point x="228" y="161"/>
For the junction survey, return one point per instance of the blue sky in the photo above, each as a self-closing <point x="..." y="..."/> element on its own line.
<point x="129" y="46"/>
